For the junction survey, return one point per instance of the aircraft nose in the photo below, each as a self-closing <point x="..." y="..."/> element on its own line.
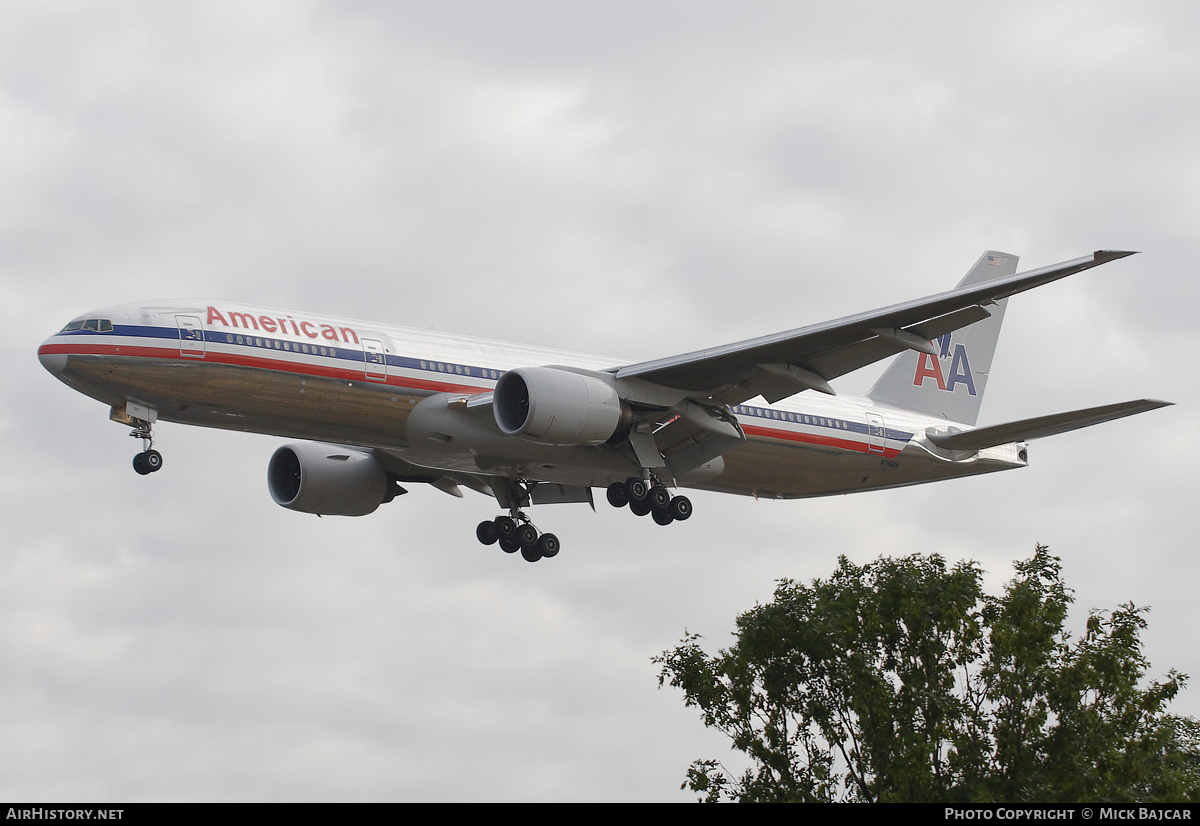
<point x="54" y="362"/>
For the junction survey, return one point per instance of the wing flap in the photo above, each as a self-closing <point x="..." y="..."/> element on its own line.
<point x="1041" y="426"/>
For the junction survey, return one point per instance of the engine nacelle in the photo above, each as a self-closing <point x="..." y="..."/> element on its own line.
<point x="558" y="407"/>
<point x="327" y="479"/>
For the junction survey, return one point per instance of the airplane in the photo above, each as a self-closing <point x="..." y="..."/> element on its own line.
<point x="385" y="406"/>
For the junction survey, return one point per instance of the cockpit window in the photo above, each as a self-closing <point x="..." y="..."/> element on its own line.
<point x="99" y="325"/>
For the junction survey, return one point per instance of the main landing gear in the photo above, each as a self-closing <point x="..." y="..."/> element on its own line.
<point x="149" y="460"/>
<point x="517" y="533"/>
<point x="649" y="497"/>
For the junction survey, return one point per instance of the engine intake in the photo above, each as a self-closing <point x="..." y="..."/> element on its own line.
<point x="327" y="479"/>
<point x="559" y="407"/>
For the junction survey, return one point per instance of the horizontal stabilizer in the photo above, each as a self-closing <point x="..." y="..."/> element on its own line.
<point x="1002" y="434"/>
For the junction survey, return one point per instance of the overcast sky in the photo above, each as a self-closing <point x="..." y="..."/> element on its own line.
<point x="631" y="178"/>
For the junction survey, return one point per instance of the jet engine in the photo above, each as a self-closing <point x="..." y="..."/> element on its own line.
<point x="558" y="407"/>
<point x="327" y="479"/>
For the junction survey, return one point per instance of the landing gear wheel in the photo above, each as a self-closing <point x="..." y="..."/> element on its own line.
<point x="506" y="527"/>
<point x="509" y="545"/>
<point x="637" y="489"/>
<point x="527" y="535"/>
<point x="531" y="554"/>
<point x="147" y="462"/>
<point x="663" y="517"/>
<point x="548" y="545"/>
<point x="618" y="495"/>
<point x="486" y="533"/>
<point x="640" y="508"/>
<point x="660" y="497"/>
<point x="681" y="508"/>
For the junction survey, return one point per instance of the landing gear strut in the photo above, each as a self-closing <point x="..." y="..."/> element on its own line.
<point x="149" y="460"/>
<point x="649" y="497"/>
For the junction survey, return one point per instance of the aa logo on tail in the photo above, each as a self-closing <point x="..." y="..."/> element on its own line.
<point x="929" y="367"/>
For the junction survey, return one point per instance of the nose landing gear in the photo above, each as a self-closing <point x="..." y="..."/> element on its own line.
<point x="149" y="460"/>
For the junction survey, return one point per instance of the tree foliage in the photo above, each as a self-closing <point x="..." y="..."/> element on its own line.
<point x="901" y="680"/>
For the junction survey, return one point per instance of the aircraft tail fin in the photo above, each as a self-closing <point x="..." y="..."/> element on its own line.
<point x="951" y="384"/>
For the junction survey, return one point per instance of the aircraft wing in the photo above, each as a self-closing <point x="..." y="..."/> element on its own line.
<point x="781" y="365"/>
<point x="1023" y="431"/>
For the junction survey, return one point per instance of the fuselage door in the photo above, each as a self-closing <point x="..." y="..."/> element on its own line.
<point x="375" y="359"/>
<point x="876" y="433"/>
<point x="191" y="336"/>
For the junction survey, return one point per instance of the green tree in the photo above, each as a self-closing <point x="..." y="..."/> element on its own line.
<point x="901" y="680"/>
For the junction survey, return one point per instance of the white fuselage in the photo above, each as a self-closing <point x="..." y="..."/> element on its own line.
<point x="237" y="367"/>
